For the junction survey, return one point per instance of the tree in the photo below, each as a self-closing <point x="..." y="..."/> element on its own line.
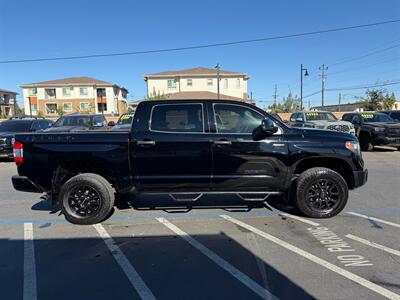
<point x="60" y="112"/>
<point x="155" y="95"/>
<point x="378" y="99"/>
<point x="289" y="104"/>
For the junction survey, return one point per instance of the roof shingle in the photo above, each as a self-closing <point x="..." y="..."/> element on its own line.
<point x="195" y="71"/>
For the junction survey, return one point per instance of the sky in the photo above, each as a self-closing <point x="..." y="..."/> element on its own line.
<point x="53" y="28"/>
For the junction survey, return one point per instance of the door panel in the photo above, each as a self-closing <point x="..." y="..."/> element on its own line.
<point x="239" y="162"/>
<point x="176" y="152"/>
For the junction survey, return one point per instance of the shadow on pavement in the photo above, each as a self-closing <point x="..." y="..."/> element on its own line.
<point x="169" y="266"/>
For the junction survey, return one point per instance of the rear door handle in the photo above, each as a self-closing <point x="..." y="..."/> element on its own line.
<point x="146" y="143"/>
<point x="222" y="142"/>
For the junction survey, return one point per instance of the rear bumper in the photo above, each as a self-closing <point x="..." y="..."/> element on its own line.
<point x="24" y="184"/>
<point x="360" y="177"/>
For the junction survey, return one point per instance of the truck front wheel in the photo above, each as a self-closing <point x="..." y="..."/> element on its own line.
<point x="86" y="199"/>
<point x="321" y="193"/>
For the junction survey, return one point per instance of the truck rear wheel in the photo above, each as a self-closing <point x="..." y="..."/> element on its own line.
<point x="321" y="193"/>
<point x="86" y="199"/>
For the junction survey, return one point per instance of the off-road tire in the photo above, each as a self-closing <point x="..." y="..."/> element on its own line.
<point x="365" y="143"/>
<point x="104" y="195"/>
<point x="305" y="183"/>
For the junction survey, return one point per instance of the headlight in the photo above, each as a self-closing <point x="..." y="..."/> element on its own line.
<point x="379" y="129"/>
<point x="353" y="146"/>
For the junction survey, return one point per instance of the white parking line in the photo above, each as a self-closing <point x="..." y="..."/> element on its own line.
<point x="372" y="244"/>
<point x="302" y="220"/>
<point x="29" y="291"/>
<point x="374" y="219"/>
<point x="130" y="272"/>
<point x="357" y="279"/>
<point x="250" y="283"/>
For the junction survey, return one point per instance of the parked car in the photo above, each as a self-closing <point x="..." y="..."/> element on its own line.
<point x="188" y="148"/>
<point x="394" y="114"/>
<point x="321" y="120"/>
<point x="124" y="122"/>
<point x="78" y="122"/>
<point x="10" y="127"/>
<point x="375" y="129"/>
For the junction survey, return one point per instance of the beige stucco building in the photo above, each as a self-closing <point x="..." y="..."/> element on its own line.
<point x="8" y="100"/>
<point x="75" y="94"/>
<point x="233" y="84"/>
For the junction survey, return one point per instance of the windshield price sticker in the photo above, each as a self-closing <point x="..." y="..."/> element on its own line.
<point x="335" y="244"/>
<point x="314" y="114"/>
<point x="126" y="117"/>
<point x="367" y="116"/>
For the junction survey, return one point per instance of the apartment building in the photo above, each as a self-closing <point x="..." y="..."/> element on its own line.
<point x="185" y="83"/>
<point x="75" y="94"/>
<point x="8" y="100"/>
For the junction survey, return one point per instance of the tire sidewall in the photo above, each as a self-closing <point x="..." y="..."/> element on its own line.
<point x="305" y="183"/>
<point x="103" y="190"/>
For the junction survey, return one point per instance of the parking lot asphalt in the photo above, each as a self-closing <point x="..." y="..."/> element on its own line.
<point x="153" y="248"/>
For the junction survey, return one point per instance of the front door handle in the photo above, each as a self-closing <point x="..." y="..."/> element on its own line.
<point x="222" y="142"/>
<point x="146" y="143"/>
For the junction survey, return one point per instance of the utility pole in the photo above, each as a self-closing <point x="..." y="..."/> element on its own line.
<point x="309" y="104"/>
<point x="340" y="100"/>
<point x="30" y="106"/>
<point x="323" y="68"/>
<point x="275" y="95"/>
<point x="218" y="67"/>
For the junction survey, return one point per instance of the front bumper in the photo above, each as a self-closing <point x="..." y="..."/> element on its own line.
<point x="388" y="141"/>
<point x="24" y="184"/>
<point x="360" y="177"/>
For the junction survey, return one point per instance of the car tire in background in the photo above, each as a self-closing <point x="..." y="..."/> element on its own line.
<point x="321" y="193"/>
<point x="365" y="143"/>
<point x="86" y="199"/>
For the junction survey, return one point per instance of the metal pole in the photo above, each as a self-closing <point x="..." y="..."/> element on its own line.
<point x="218" y="66"/>
<point x="30" y="106"/>
<point x="340" y="100"/>
<point x="301" y="86"/>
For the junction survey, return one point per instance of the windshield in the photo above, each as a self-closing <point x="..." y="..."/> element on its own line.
<point x="74" y="121"/>
<point x="125" y="119"/>
<point x="376" y="118"/>
<point x="15" y="126"/>
<point x="320" y="116"/>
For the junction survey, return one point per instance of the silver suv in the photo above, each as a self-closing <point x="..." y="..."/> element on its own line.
<point x="321" y="120"/>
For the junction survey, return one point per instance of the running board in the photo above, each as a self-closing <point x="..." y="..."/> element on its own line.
<point x="192" y="197"/>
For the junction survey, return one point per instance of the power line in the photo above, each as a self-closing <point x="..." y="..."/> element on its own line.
<point x="202" y="46"/>
<point x="365" y="86"/>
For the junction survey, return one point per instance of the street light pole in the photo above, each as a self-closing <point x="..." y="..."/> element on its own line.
<point x="301" y="84"/>
<point x="218" y="67"/>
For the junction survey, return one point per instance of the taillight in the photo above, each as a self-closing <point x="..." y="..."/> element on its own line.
<point x="18" y="153"/>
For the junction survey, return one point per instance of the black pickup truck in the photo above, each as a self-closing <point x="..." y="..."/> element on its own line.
<point x="374" y="129"/>
<point x="188" y="148"/>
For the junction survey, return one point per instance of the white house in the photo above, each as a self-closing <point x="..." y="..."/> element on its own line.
<point x="7" y="103"/>
<point x="75" y="94"/>
<point x="232" y="84"/>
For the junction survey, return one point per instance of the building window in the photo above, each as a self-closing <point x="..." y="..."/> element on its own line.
<point x="51" y="108"/>
<point x="32" y="91"/>
<point x="67" y="106"/>
<point x="189" y="82"/>
<point x="50" y="93"/>
<point x="225" y="83"/>
<point x="171" y="83"/>
<point x="101" y="93"/>
<point x="238" y="83"/>
<point x="83" y="91"/>
<point x="210" y="81"/>
<point x="84" y="106"/>
<point x="66" y="91"/>
<point x="101" y="107"/>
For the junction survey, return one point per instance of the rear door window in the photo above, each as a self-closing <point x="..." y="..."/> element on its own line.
<point x="178" y="118"/>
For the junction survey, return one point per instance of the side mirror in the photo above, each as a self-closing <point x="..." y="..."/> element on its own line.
<point x="111" y="123"/>
<point x="266" y="129"/>
<point x="299" y="120"/>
